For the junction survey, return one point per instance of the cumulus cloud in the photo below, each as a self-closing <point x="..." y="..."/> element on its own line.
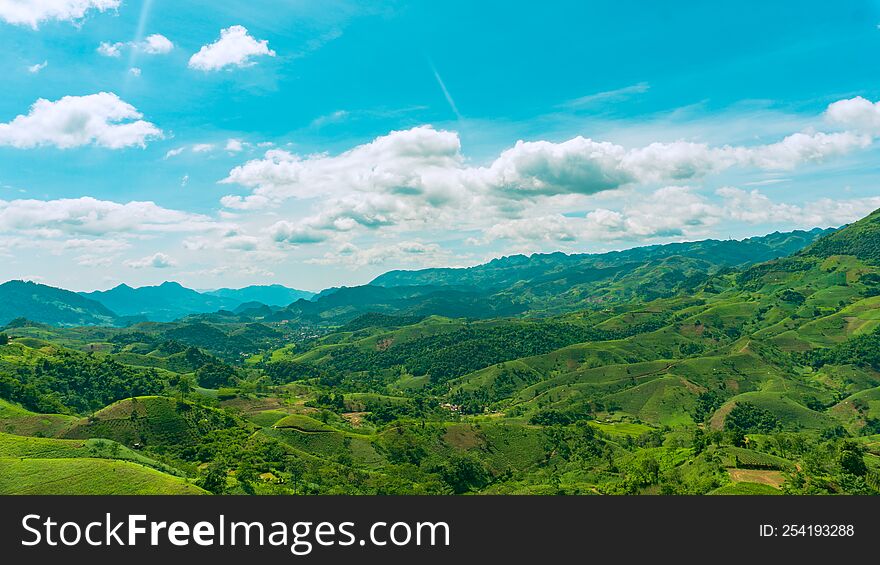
<point x="155" y="261"/>
<point x="415" y="161"/>
<point x="856" y="113"/>
<point x="419" y="177"/>
<point x="101" y="119"/>
<point x="234" y="145"/>
<point x="108" y="49"/>
<point x="287" y="232"/>
<point x="89" y="216"/>
<point x="155" y="44"/>
<point x="679" y="212"/>
<point x="428" y="162"/>
<point x="234" y="48"/>
<point x="584" y="166"/>
<point x="34" y="12"/>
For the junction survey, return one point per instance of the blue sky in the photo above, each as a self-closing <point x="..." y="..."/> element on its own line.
<point x="315" y="144"/>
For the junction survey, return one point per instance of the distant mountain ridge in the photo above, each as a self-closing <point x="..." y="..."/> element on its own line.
<point x="50" y="305"/>
<point x="509" y="270"/>
<point x="270" y="295"/>
<point x="171" y="301"/>
<point x="541" y="284"/>
<point x="545" y="283"/>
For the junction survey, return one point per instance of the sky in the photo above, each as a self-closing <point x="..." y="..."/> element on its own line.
<point x="322" y="143"/>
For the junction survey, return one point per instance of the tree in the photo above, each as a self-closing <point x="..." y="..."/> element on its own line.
<point x="463" y="473"/>
<point x="184" y="385"/>
<point x="748" y="418"/>
<point x="4" y="339"/>
<point x="215" y="479"/>
<point x="296" y="469"/>
<point x="851" y="460"/>
<point x="247" y="476"/>
<point x="215" y="375"/>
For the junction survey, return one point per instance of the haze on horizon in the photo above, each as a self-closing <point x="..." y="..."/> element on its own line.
<point x="145" y="141"/>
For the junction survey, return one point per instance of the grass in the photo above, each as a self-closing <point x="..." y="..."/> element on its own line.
<point x="50" y="448"/>
<point x="16" y="420"/>
<point x="746" y="489"/>
<point x="87" y="476"/>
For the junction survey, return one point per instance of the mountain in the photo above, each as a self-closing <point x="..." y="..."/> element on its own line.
<point x="163" y="303"/>
<point x="860" y="239"/>
<point x="346" y="303"/>
<point x="506" y="271"/>
<point x="49" y="305"/>
<point x="270" y="295"/>
<point x="545" y="284"/>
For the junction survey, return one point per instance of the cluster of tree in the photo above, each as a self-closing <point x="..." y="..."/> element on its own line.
<point x="860" y="350"/>
<point x="378" y="320"/>
<point x="450" y="355"/>
<point x="75" y="382"/>
<point x="283" y="372"/>
<point x="746" y="418"/>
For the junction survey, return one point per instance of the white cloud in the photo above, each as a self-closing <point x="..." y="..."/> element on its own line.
<point x="134" y="71"/>
<point x="420" y="178"/>
<point x="584" y="166"/>
<point x="34" y="12"/>
<point x="287" y="232"/>
<point x="155" y="44"/>
<point x="331" y="118"/>
<point x="155" y="261"/>
<point x="679" y="212"/>
<point x="202" y="147"/>
<point x="415" y="161"/>
<point x="754" y="207"/>
<point x="89" y="260"/>
<point x="410" y="253"/>
<point x="856" y="113"/>
<point x="608" y="95"/>
<point x="101" y="119"/>
<point x="235" y="48"/>
<point x="174" y="152"/>
<point x="34" y="69"/>
<point x="234" y="145"/>
<point x="110" y="49"/>
<point x="89" y="216"/>
<point x="427" y="163"/>
<point x="184" y="181"/>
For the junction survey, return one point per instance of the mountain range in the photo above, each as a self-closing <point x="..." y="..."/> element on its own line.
<point x="540" y="284"/>
<point x="123" y="305"/>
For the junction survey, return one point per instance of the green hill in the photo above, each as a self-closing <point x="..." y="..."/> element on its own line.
<point x="861" y="239"/>
<point x="49" y="305"/>
<point x="87" y="476"/>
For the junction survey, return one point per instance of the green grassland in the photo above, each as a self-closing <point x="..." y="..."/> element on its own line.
<point x="87" y="476"/>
